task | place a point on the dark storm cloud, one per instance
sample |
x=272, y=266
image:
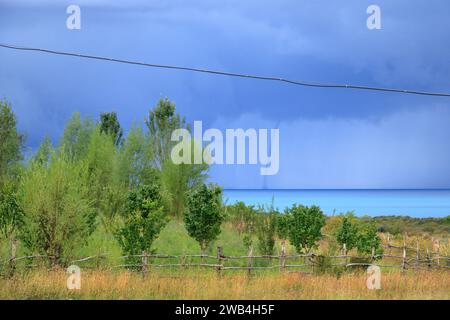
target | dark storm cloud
x=320, y=41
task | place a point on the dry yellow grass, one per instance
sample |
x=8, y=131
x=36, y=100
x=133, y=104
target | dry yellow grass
x=209, y=285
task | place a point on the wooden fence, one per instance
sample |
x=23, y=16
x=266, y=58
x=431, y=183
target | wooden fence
x=402, y=257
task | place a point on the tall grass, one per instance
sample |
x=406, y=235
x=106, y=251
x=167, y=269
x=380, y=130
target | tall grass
x=196, y=284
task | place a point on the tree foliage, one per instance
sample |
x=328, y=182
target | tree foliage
x=358, y=234
x=106, y=191
x=161, y=122
x=204, y=216
x=76, y=137
x=135, y=159
x=244, y=219
x=143, y=220
x=368, y=239
x=11, y=213
x=266, y=231
x=11, y=141
x=304, y=226
x=58, y=217
x=178, y=179
x=109, y=125
x=347, y=233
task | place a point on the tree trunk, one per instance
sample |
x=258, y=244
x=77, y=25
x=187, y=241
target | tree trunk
x=202, y=252
x=12, y=254
x=283, y=255
x=250, y=260
x=144, y=262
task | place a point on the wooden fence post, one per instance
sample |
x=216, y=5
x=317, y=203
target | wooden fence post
x=144, y=262
x=283, y=255
x=438, y=246
x=183, y=262
x=373, y=255
x=250, y=260
x=429, y=258
x=389, y=243
x=13, y=256
x=417, y=254
x=344, y=251
x=404, y=256
x=219, y=258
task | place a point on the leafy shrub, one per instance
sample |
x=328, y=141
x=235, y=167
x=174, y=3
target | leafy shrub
x=204, y=215
x=143, y=220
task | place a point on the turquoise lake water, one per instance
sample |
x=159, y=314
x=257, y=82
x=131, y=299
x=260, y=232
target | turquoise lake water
x=414, y=203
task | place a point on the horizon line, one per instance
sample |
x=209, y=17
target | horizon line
x=338, y=189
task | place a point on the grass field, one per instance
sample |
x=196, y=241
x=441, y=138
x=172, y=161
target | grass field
x=174, y=240
x=193, y=284
x=176, y=283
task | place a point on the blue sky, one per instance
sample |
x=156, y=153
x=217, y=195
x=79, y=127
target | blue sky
x=328, y=138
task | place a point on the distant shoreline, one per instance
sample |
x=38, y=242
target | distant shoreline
x=416, y=203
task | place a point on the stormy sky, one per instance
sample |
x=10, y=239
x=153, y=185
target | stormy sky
x=328, y=138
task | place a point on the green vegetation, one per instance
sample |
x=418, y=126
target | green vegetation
x=413, y=226
x=244, y=219
x=203, y=215
x=101, y=191
x=109, y=125
x=304, y=226
x=143, y=220
x=357, y=233
x=267, y=226
x=58, y=213
x=11, y=143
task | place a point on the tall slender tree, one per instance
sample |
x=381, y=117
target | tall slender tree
x=106, y=191
x=109, y=125
x=77, y=134
x=11, y=141
x=135, y=159
x=161, y=122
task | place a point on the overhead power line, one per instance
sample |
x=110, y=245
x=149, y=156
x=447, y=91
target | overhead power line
x=230, y=74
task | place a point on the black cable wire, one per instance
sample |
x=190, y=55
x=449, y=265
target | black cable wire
x=231, y=74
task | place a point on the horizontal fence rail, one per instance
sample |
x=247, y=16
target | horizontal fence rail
x=421, y=260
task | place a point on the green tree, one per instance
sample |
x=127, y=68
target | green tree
x=11, y=142
x=106, y=192
x=204, y=215
x=161, y=122
x=266, y=231
x=241, y=216
x=109, y=125
x=347, y=233
x=143, y=220
x=11, y=217
x=368, y=239
x=58, y=216
x=76, y=137
x=135, y=159
x=244, y=219
x=44, y=153
x=177, y=180
x=282, y=226
x=305, y=225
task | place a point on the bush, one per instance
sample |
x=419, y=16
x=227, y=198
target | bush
x=58, y=217
x=304, y=226
x=143, y=220
x=266, y=233
x=203, y=215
